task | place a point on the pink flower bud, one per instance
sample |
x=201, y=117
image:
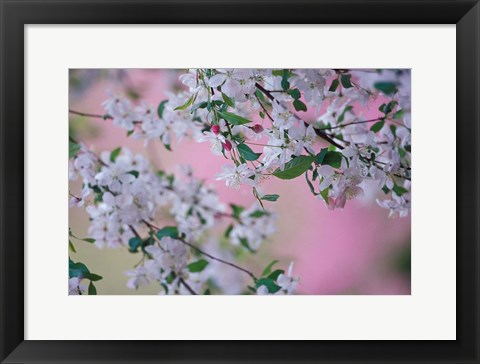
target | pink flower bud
x=257, y=128
x=227, y=145
x=215, y=129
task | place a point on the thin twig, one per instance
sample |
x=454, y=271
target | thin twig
x=106, y=116
x=182, y=281
x=205, y=253
x=351, y=123
x=134, y=231
x=317, y=131
x=264, y=109
x=265, y=145
x=217, y=259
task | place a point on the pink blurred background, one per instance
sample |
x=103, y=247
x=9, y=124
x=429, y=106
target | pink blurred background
x=358, y=250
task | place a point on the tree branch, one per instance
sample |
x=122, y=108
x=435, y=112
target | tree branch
x=352, y=123
x=104, y=117
x=205, y=253
x=182, y=281
x=319, y=132
x=264, y=109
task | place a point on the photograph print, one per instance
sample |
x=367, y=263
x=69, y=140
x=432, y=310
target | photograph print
x=239, y=181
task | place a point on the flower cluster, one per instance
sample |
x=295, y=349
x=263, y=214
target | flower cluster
x=254, y=226
x=124, y=197
x=150, y=122
x=289, y=122
x=168, y=265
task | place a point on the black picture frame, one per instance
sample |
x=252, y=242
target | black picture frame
x=15, y=14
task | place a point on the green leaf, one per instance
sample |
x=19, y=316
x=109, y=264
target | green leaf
x=73, y=149
x=89, y=240
x=312, y=189
x=274, y=275
x=93, y=277
x=134, y=243
x=387, y=88
x=201, y=105
x=160, y=108
x=237, y=210
x=391, y=105
x=170, y=231
x=334, y=85
x=115, y=153
x=393, y=128
x=71, y=247
x=92, y=291
x=233, y=119
x=77, y=269
x=207, y=292
x=399, y=114
x=299, y=106
x=148, y=241
x=133, y=94
x=387, y=108
x=258, y=213
x=244, y=243
x=260, y=95
x=399, y=190
x=295, y=167
x=270, y=284
x=268, y=268
x=197, y=266
x=342, y=115
x=170, y=277
x=345, y=79
x=285, y=84
x=333, y=159
x=134, y=173
x=324, y=194
x=228, y=231
x=247, y=153
x=228, y=100
x=185, y=105
x=238, y=138
x=321, y=155
x=271, y=198
x=295, y=93
x=377, y=126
